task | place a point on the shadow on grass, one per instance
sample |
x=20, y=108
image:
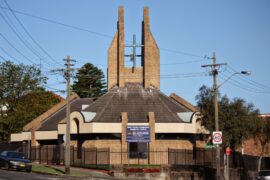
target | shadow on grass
x=56, y=169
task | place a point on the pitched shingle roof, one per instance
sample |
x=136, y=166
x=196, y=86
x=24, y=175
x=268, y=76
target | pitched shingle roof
x=137, y=102
x=52, y=121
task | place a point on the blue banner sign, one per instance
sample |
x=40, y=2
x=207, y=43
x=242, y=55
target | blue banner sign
x=138, y=134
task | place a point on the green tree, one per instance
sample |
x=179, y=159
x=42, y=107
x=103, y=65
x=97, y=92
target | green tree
x=28, y=108
x=89, y=82
x=261, y=131
x=235, y=116
x=18, y=80
x=22, y=92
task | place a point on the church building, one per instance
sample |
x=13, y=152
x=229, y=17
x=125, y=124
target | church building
x=134, y=116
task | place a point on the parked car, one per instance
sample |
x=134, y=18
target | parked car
x=264, y=175
x=15, y=160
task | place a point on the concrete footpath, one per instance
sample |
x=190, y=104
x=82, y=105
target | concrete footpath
x=89, y=174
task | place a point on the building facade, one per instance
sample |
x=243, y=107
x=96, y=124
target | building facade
x=134, y=116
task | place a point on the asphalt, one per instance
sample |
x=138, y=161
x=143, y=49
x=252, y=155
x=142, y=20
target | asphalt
x=15, y=175
x=92, y=175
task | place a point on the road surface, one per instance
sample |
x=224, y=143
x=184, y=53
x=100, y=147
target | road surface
x=18, y=175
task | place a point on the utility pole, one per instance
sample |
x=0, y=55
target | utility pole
x=67, y=153
x=215, y=88
x=67, y=71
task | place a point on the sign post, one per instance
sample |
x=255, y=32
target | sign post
x=228, y=152
x=217, y=140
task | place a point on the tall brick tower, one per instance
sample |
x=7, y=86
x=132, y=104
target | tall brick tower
x=148, y=75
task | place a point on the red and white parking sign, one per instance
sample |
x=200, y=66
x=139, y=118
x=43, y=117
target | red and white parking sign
x=217, y=137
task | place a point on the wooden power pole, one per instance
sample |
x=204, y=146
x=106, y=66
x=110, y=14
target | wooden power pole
x=214, y=72
x=67, y=71
x=67, y=152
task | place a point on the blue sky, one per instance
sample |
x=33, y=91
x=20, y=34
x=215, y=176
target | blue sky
x=185, y=31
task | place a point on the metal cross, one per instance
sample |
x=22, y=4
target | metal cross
x=133, y=55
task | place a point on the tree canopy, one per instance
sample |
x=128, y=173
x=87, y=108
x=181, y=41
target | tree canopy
x=261, y=133
x=89, y=82
x=236, y=117
x=18, y=80
x=22, y=92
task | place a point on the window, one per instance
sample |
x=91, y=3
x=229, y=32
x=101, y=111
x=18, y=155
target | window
x=138, y=150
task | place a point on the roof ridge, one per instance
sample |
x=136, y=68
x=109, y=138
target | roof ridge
x=36, y=123
x=184, y=102
x=99, y=99
x=174, y=115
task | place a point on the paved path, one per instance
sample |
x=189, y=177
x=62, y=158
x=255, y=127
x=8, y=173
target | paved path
x=17, y=175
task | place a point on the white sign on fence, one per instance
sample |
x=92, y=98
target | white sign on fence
x=217, y=137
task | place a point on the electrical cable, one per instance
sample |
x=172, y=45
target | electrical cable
x=10, y=55
x=245, y=82
x=31, y=37
x=19, y=35
x=95, y=33
x=16, y=49
x=242, y=85
x=250, y=81
x=186, y=62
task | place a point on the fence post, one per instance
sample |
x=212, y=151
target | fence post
x=121, y=154
x=175, y=156
x=169, y=156
x=59, y=154
x=39, y=154
x=83, y=149
x=63, y=154
x=213, y=164
x=109, y=158
x=185, y=152
x=96, y=157
x=73, y=158
x=47, y=154
x=148, y=154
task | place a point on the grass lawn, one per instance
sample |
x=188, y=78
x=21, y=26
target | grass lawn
x=57, y=170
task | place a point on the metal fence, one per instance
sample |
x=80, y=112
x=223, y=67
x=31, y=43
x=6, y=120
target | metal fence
x=102, y=157
x=105, y=157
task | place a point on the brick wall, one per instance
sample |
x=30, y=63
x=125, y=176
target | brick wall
x=254, y=148
x=148, y=74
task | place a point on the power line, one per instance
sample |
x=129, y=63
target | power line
x=93, y=32
x=186, y=62
x=16, y=48
x=55, y=89
x=162, y=64
x=184, y=74
x=2, y=58
x=164, y=76
x=19, y=35
x=183, y=53
x=31, y=37
x=250, y=84
x=13, y=58
x=243, y=86
x=250, y=81
x=54, y=84
x=59, y=23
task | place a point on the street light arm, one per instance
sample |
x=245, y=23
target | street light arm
x=242, y=72
x=227, y=79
